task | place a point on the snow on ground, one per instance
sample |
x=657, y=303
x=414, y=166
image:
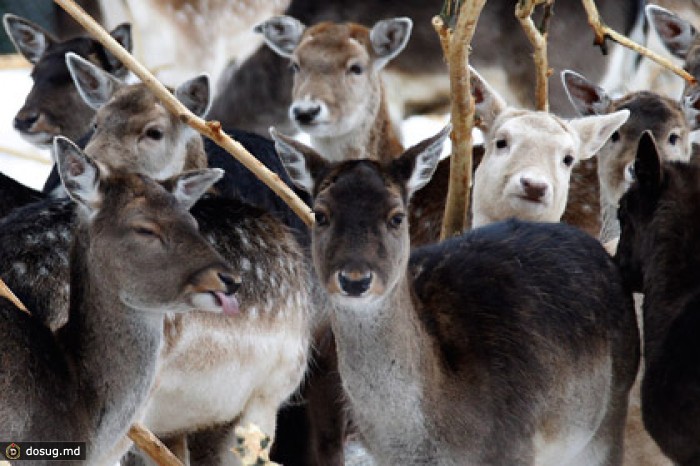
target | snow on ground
x=14, y=87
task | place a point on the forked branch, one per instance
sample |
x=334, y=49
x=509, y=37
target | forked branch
x=538, y=39
x=603, y=32
x=456, y=45
x=210, y=129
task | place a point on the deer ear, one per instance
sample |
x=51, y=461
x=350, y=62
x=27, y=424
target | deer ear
x=388, y=38
x=691, y=108
x=647, y=165
x=79, y=174
x=29, y=39
x=195, y=94
x=417, y=164
x=594, y=131
x=303, y=164
x=190, y=186
x=675, y=33
x=121, y=34
x=95, y=85
x=489, y=104
x=586, y=97
x=281, y=33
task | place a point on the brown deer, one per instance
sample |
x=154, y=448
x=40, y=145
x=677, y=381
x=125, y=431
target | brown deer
x=599, y=184
x=658, y=256
x=338, y=95
x=490, y=348
x=53, y=106
x=136, y=256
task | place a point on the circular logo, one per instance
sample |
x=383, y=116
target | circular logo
x=12, y=452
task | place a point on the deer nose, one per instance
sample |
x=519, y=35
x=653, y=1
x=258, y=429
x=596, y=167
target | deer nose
x=232, y=284
x=354, y=283
x=533, y=190
x=25, y=120
x=305, y=114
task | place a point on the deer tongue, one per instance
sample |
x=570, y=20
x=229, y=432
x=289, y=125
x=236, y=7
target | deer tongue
x=228, y=302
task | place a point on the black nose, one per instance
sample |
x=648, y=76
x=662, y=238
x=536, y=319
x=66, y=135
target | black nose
x=25, y=121
x=354, y=283
x=232, y=284
x=306, y=115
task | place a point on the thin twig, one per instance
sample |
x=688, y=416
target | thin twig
x=20, y=154
x=603, y=32
x=149, y=443
x=538, y=39
x=458, y=198
x=6, y=292
x=211, y=129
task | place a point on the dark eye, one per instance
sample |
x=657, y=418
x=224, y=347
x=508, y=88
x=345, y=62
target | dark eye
x=321, y=218
x=568, y=160
x=356, y=69
x=615, y=136
x=154, y=133
x=673, y=139
x=147, y=232
x=501, y=144
x=396, y=220
x=294, y=67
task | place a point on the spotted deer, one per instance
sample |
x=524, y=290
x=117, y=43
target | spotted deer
x=53, y=106
x=489, y=348
x=599, y=185
x=136, y=257
x=657, y=255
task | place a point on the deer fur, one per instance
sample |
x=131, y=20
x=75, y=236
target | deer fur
x=53, y=106
x=612, y=171
x=445, y=352
x=657, y=254
x=338, y=95
x=58, y=386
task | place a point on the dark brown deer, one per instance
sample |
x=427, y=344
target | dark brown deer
x=136, y=256
x=658, y=256
x=599, y=183
x=53, y=106
x=490, y=348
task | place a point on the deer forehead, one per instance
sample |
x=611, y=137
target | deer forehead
x=331, y=49
x=359, y=186
x=129, y=111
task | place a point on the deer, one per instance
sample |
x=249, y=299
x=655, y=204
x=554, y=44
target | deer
x=53, y=106
x=657, y=256
x=447, y=351
x=57, y=386
x=611, y=172
x=15, y=194
x=255, y=93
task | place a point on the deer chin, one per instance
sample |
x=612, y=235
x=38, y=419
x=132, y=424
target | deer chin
x=41, y=139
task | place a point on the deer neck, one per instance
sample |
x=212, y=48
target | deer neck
x=112, y=349
x=374, y=137
x=385, y=359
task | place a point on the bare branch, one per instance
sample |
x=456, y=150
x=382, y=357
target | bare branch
x=149, y=443
x=603, y=32
x=538, y=39
x=457, y=203
x=211, y=129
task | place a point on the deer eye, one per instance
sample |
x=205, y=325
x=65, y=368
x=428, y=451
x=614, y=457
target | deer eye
x=356, y=69
x=568, y=160
x=396, y=219
x=154, y=133
x=673, y=139
x=501, y=144
x=321, y=218
x=615, y=136
x=146, y=231
x=294, y=67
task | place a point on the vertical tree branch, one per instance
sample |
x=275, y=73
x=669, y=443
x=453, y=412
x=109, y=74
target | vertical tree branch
x=457, y=203
x=211, y=129
x=603, y=32
x=538, y=39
